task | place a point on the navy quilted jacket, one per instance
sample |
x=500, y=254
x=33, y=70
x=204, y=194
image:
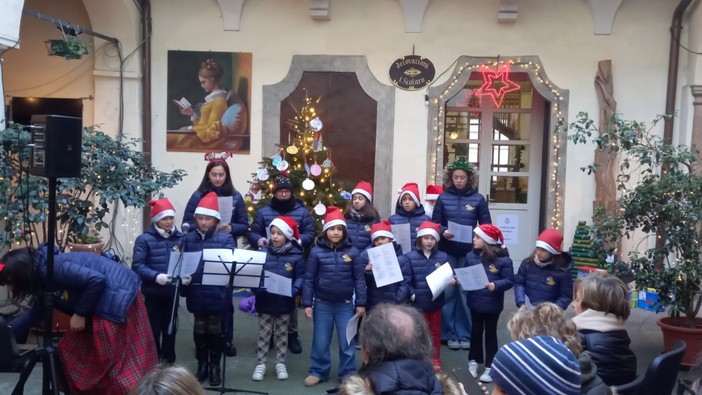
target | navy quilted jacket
x=239, y=222
x=266, y=214
x=499, y=271
x=414, y=218
x=206, y=299
x=421, y=267
x=391, y=293
x=547, y=284
x=359, y=232
x=464, y=207
x=88, y=284
x=151, y=255
x=333, y=274
x=290, y=264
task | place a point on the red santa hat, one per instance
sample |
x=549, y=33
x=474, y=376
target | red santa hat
x=333, y=217
x=550, y=240
x=429, y=228
x=365, y=189
x=490, y=233
x=382, y=229
x=433, y=192
x=209, y=205
x=160, y=209
x=288, y=226
x=2, y=267
x=412, y=189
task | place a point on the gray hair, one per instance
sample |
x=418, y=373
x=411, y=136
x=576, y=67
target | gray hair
x=392, y=332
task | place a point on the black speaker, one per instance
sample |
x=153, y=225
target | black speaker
x=56, y=146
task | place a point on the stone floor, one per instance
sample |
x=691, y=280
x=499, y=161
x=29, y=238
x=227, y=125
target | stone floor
x=646, y=337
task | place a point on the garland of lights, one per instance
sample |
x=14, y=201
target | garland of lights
x=494, y=70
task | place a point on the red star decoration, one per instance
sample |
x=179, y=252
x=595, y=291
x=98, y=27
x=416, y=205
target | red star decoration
x=499, y=78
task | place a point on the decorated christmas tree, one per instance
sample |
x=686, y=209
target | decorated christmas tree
x=307, y=162
x=582, y=250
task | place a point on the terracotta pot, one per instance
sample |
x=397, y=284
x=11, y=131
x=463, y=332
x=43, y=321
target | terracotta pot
x=674, y=329
x=94, y=248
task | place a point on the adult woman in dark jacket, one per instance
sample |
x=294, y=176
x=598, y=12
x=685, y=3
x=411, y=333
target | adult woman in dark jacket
x=110, y=345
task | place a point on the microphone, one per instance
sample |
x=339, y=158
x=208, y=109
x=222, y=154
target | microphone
x=185, y=227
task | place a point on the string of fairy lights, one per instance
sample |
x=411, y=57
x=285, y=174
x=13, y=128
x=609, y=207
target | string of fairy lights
x=538, y=77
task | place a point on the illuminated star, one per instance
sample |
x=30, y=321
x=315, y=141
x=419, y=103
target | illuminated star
x=496, y=84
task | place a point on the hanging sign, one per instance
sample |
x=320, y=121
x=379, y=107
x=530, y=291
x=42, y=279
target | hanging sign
x=412, y=72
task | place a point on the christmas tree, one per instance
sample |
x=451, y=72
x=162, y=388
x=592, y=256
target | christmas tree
x=307, y=162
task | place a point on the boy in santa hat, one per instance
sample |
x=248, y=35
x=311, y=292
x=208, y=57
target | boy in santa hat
x=333, y=275
x=433, y=192
x=208, y=303
x=409, y=210
x=360, y=215
x=152, y=252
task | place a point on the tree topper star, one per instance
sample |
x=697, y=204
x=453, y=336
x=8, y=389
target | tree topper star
x=499, y=78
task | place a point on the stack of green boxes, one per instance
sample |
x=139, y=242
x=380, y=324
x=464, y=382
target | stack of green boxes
x=581, y=250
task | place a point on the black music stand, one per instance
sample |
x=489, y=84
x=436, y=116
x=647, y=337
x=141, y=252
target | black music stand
x=54, y=380
x=232, y=270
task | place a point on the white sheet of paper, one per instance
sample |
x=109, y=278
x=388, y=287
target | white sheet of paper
x=403, y=237
x=439, y=279
x=386, y=268
x=509, y=225
x=277, y=284
x=226, y=208
x=217, y=255
x=461, y=233
x=242, y=255
x=352, y=328
x=472, y=277
x=188, y=265
x=183, y=102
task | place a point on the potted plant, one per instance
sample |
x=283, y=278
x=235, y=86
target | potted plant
x=660, y=194
x=112, y=172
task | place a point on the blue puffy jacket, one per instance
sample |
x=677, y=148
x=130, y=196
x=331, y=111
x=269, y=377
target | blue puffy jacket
x=547, y=284
x=421, y=267
x=414, y=218
x=87, y=284
x=265, y=215
x=499, y=271
x=288, y=263
x=152, y=253
x=392, y=293
x=464, y=207
x=239, y=221
x=206, y=299
x=333, y=274
x=359, y=232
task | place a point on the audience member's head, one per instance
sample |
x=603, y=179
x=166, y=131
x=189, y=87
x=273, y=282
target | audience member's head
x=392, y=332
x=168, y=380
x=535, y=366
x=603, y=292
x=546, y=319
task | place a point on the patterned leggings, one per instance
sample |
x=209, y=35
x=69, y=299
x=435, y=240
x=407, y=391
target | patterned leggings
x=278, y=326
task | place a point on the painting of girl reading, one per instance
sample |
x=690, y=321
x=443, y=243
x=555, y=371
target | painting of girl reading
x=208, y=98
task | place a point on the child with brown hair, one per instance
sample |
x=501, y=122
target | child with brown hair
x=602, y=307
x=360, y=215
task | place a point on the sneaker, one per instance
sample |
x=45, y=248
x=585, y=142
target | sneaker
x=453, y=344
x=294, y=343
x=259, y=372
x=311, y=381
x=473, y=369
x=464, y=344
x=485, y=378
x=281, y=371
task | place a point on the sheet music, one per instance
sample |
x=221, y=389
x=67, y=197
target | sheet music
x=472, y=277
x=352, y=328
x=242, y=255
x=226, y=208
x=461, y=233
x=386, y=268
x=217, y=255
x=277, y=284
x=403, y=237
x=188, y=265
x=438, y=279
x=245, y=275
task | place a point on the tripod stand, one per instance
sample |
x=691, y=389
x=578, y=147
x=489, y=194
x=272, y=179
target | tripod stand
x=232, y=272
x=54, y=379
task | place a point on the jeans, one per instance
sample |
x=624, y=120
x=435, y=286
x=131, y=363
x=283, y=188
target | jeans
x=455, y=316
x=326, y=316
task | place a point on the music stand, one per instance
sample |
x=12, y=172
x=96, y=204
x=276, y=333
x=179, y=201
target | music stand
x=54, y=381
x=249, y=274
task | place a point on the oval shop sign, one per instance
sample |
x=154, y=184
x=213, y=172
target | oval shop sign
x=412, y=72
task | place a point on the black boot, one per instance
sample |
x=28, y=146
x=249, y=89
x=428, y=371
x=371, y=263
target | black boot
x=202, y=355
x=216, y=348
x=294, y=343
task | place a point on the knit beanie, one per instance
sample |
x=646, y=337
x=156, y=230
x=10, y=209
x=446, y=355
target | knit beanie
x=209, y=205
x=160, y=209
x=550, y=240
x=365, y=189
x=282, y=183
x=536, y=366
